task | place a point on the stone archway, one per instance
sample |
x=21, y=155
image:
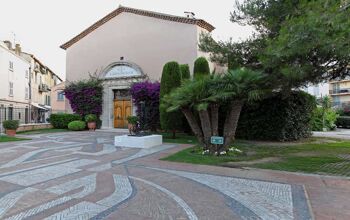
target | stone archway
x=117, y=104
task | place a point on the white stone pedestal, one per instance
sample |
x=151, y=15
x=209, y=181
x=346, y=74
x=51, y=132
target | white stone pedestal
x=138, y=142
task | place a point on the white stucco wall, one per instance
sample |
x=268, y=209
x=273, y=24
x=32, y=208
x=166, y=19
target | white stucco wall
x=319, y=90
x=17, y=76
x=145, y=41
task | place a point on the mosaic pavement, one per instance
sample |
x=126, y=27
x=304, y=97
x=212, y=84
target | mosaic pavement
x=83, y=176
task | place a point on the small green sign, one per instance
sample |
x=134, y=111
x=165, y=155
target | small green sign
x=217, y=140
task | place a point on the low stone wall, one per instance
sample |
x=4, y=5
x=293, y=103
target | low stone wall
x=30, y=127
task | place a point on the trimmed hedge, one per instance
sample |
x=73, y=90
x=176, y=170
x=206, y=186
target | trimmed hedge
x=171, y=79
x=185, y=71
x=77, y=125
x=61, y=121
x=278, y=118
x=343, y=122
x=201, y=67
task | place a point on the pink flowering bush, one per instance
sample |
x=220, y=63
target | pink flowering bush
x=85, y=97
x=147, y=93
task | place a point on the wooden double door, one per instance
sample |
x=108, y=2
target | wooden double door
x=122, y=109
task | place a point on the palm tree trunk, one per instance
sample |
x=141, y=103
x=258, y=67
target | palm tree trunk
x=206, y=127
x=193, y=124
x=214, y=108
x=231, y=121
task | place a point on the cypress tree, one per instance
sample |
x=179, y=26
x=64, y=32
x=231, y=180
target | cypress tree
x=185, y=71
x=201, y=67
x=171, y=79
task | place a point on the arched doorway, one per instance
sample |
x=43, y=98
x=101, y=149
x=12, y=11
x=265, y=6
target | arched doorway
x=118, y=78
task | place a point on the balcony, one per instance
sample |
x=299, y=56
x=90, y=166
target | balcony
x=44, y=88
x=341, y=91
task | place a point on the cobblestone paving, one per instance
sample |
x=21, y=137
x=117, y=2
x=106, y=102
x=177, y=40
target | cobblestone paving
x=83, y=176
x=340, y=168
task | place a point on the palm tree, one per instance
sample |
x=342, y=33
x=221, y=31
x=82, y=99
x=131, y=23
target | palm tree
x=206, y=96
x=236, y=88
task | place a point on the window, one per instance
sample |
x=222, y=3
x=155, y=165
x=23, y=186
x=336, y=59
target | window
x=10, y=65
x=122, y=70
x=60, y=96
x=10, y=113
x=36, y=77
x=27, y=93
x=10, y=88
x=47, y=100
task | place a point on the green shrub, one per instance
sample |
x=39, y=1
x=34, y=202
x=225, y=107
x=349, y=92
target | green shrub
x=77, y=126
x=90, y=118
x=343, y=122
x=278, y=118
x=185, y=71
x=133, y=120
x=10, y=124
x=330, y=117
x=201, y=67
x=171, y=79
x=61, y=121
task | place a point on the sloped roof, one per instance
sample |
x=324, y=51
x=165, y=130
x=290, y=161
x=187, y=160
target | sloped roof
x=121, y=9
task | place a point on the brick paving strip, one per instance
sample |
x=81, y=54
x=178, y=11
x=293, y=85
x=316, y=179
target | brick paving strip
x=83, y=176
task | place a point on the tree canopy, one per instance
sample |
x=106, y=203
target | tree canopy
x=297, y=42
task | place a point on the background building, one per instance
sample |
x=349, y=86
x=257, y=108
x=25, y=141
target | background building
x=42, y=79
x=130, y=45
x=319, y=90
x=14, y=84
x=25, y=86
x=58, y=99
x=340, y=93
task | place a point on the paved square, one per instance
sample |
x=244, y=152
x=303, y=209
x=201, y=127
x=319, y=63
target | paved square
x=85, y=177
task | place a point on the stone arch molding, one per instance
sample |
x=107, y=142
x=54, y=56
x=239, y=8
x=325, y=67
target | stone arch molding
x=122, y=70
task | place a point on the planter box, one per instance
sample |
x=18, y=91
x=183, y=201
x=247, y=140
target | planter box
x=138, y=142
x=30, y=127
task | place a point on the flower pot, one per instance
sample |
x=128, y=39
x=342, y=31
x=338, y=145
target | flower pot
x=92, y=126
x=11, y=133
x=131, y=128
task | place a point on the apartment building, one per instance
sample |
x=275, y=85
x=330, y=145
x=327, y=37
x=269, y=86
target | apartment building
x=340, y=93
x=14, y=84
x=42, y=79
x=28, y=83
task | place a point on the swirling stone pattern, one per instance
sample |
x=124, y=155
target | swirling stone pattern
x=85, y=177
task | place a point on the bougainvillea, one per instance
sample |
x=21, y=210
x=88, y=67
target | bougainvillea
x=85, y=97
x=147, y=93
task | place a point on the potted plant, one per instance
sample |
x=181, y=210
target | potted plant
x=91, y=120
x=11, y=126
x=132, y=124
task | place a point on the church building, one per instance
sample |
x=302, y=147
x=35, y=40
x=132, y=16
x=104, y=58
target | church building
x=131, y=45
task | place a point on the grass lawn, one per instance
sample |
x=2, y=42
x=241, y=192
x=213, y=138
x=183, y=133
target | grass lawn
x=10, y=139
x=43, y=131
x=315, y=155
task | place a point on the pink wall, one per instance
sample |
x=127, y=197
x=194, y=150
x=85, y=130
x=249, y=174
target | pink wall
x=57, y=105
x=145, y=41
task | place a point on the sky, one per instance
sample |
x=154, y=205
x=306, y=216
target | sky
x=41, y=26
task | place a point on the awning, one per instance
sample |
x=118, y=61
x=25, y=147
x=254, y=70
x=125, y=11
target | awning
x=47, y=107
x=36, y=105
